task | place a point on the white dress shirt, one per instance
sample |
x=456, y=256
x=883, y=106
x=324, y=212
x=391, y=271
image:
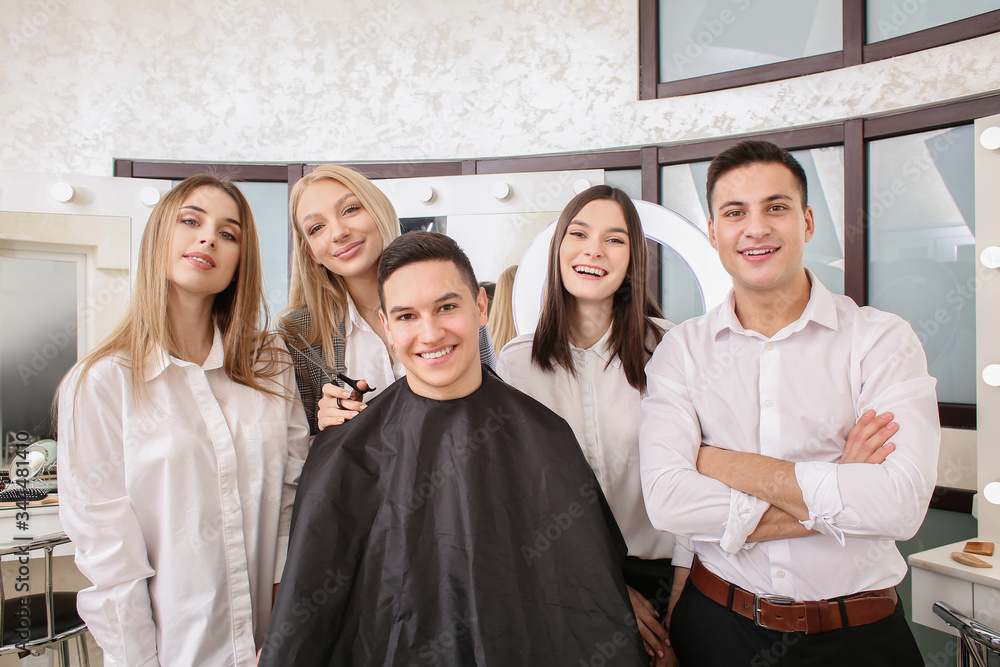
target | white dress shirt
x=602, y=408
x=179, y=507
x=366, y=356
x=794, y=397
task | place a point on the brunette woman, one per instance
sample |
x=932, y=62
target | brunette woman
x=585, y=361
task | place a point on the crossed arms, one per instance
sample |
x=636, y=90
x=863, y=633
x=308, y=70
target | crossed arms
x=773, y=480
x=860, y=486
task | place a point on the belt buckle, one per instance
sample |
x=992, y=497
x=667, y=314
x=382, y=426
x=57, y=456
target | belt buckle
x=773, y=599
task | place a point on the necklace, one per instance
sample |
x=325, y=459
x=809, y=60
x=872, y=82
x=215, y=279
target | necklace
x=374, y=310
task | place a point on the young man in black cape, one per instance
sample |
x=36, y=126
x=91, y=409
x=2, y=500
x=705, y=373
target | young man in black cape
x=455, y=521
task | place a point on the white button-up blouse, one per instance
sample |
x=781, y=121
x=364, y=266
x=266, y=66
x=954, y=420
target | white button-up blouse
x=179, y=506
x=602, y=408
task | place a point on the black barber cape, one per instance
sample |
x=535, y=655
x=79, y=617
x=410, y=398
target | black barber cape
x=463, y=532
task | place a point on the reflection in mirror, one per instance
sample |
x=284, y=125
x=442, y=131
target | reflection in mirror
x=38, y=343
x=64, y=284
x=495, y=241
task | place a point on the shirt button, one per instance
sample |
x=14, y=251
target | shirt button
x=768, y=403
x=780, y=574
x=769, y=346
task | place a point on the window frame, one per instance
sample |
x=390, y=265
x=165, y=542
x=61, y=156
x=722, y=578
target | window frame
x=854, y=52
x=853, y=134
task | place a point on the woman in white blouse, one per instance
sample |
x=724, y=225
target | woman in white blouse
x=180, y=445
x=341, y=222
x=585, y=361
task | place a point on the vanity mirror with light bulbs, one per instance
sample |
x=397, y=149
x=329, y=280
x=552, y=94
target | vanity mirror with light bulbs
x=937, y=576
x=67, y=245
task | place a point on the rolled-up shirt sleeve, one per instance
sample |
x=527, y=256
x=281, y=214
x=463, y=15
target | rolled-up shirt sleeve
x=887, y=500
x=97, y=516
x=678, y=498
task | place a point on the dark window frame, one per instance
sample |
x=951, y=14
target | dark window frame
x=853, y=134
x=854, y=52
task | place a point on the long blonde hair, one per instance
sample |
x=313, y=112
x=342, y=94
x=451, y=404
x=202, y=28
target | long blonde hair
x=239, y=311
x=501, y=321
x=323, y=292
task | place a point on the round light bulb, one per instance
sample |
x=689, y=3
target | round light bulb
x=149, y=196
x=990, y=257
x=992, y=492
x=426, y=194
x=502, y=191
x=991, y=375
x=63, y=192
x=990, y=138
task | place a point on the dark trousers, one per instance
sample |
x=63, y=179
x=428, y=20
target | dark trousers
x=706, y=634
x=651, y=578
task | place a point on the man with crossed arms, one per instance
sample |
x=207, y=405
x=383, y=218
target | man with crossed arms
x=759, y=443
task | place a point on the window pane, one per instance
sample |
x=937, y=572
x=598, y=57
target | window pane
x=700, y=37
x=892, y=18
x=922, y=247
x=269, y=203
x=683, y=190
x=628, y=181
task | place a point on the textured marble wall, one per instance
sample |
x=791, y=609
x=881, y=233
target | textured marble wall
x=266, y=80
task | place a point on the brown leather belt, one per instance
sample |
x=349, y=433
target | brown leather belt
x=776, y=612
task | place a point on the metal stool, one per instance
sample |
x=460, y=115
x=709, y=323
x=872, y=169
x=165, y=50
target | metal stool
x=976, y=641
x=31, y=623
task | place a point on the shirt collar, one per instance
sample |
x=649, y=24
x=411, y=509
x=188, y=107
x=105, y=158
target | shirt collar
x=354, y=318
x=602, y=348
x=159, y=360
x=352, y=315
x=821, y=309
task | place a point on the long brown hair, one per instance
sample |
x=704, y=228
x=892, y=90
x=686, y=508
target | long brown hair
x=239, y=311
x=633, y=334
x=313, y=285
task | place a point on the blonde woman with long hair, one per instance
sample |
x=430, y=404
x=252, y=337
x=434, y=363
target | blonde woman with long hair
x=180, y=445
x=501, y=321
x=341, y=222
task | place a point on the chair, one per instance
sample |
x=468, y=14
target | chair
x=976, y=641
x=33, y=622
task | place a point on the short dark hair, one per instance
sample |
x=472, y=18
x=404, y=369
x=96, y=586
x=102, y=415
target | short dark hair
x=753, y=152
x=419, y=246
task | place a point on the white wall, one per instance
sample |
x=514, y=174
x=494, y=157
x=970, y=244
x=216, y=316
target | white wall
x=259, y=80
